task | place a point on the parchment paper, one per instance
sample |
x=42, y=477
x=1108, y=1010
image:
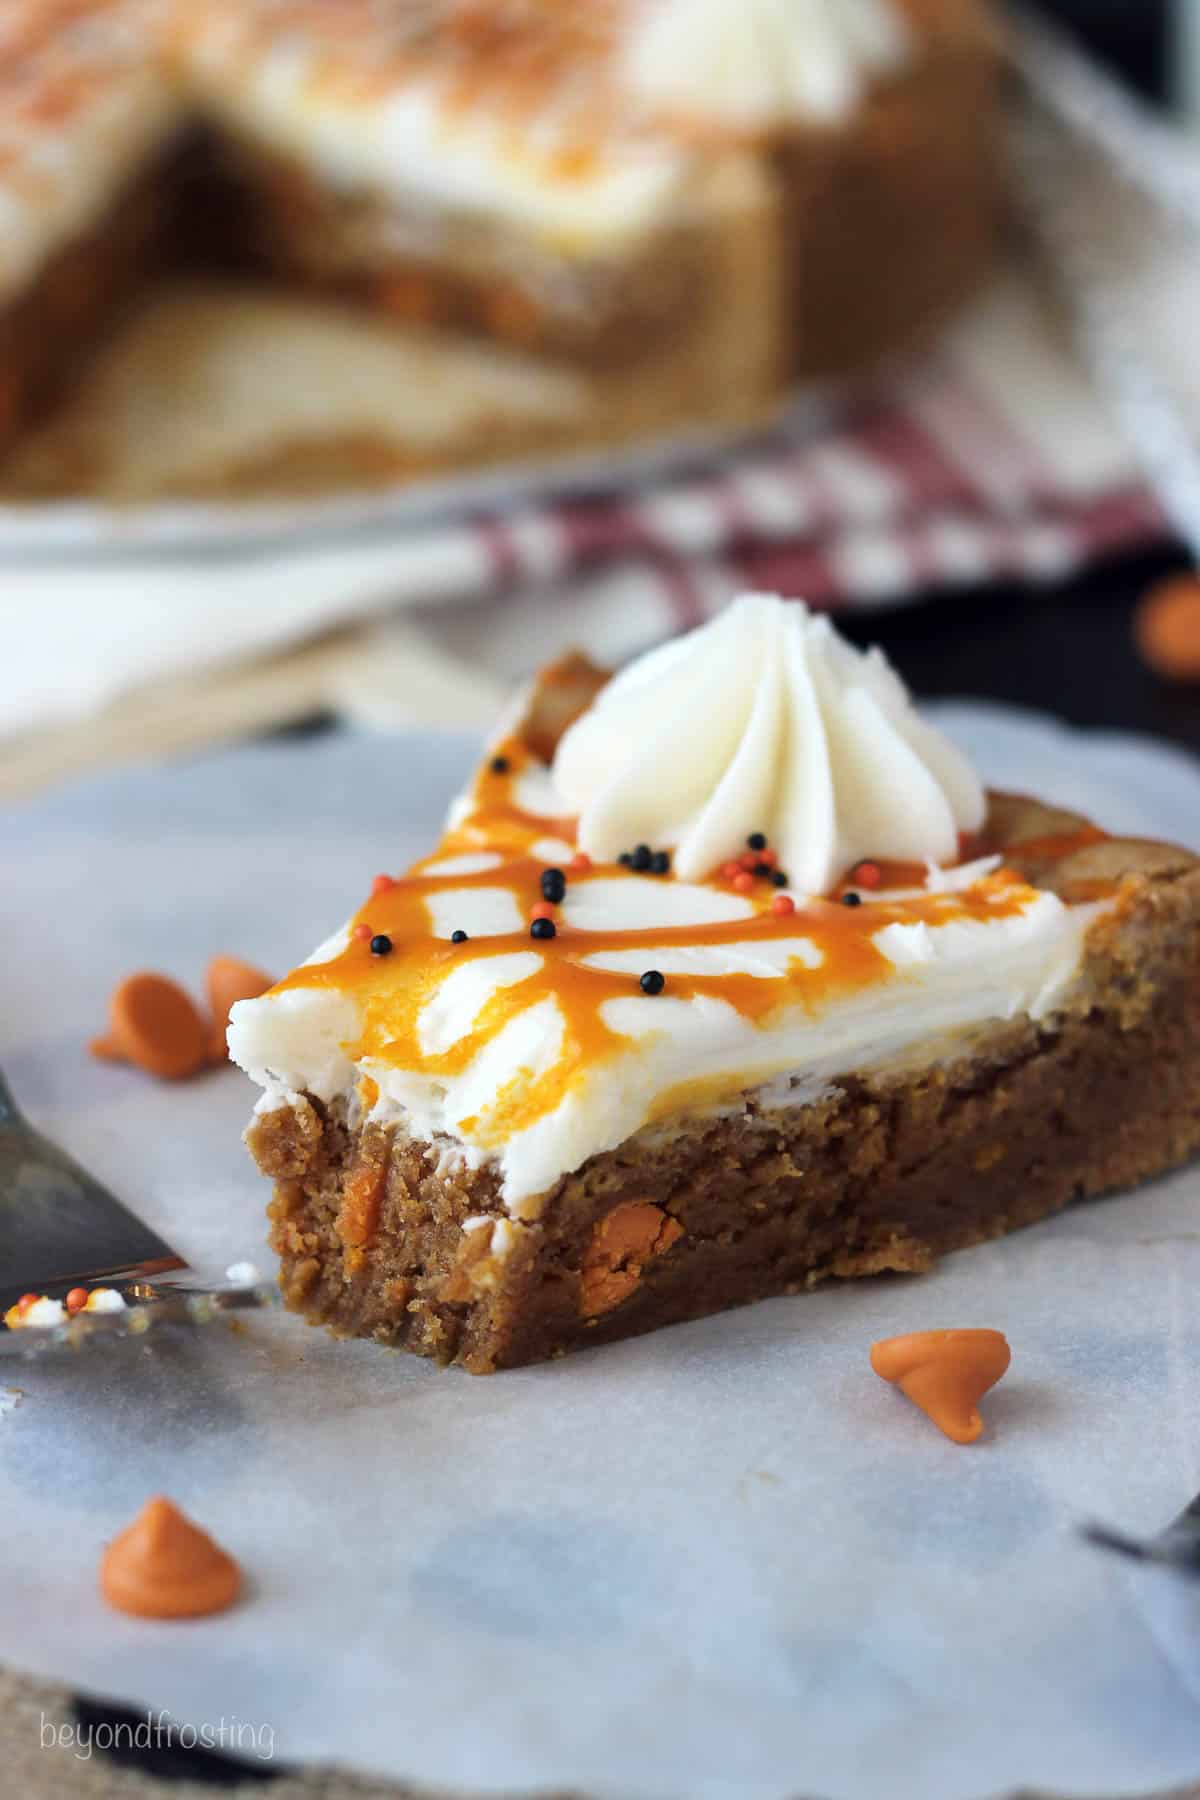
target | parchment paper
x=722, y=1561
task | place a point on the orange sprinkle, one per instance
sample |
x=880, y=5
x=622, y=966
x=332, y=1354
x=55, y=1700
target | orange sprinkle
x=580, y=863
x=743, y=882
x=867, y=875
x=382, y=883
x=731, y=870
x=364, y=933
x=26, y=1301
x=782, y=905
x=164, y=1567
x=227, y=980
x=749, y=859
x=1166, y=628
x=153, y=1024
x=76, y=1300
x=543, y=910
x=946, y=1374
x=769, y=856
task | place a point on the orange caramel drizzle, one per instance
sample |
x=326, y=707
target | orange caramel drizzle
x=1061, y=844
x=393, y=990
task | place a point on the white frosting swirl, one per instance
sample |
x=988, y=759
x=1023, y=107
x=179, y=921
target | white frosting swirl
x=765, y=720
x=752, y=64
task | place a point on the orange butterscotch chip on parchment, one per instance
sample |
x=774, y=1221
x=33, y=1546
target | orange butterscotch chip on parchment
x=164, y=1567
x=623, y=1242
x=153, y=1023
x=946, y=1374
x=1166, y=628
x=358, y=1214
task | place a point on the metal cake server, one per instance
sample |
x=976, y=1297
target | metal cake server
x=1178, y=1547
x=61, y=1228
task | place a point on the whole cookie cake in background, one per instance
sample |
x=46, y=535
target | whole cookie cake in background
x=246, y=242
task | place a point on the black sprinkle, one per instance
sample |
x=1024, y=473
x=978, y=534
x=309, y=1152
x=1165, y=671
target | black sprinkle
x=554, y=885
x=458, y=937
x=653, y=982
x=852, y=899
x=543, y=928
x=500, y=765
x=660, y=863
x=642, y=856
x=762, y=868
x=778, y=878
x=381, y=945
x=626, y=859
x=757, y=840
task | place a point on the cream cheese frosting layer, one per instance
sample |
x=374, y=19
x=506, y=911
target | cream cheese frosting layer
x=563, y=120
x=445, y=106
x=405, y=144
x=939, y=974
x=758, y=64
x=83, y=103
x=943, y=982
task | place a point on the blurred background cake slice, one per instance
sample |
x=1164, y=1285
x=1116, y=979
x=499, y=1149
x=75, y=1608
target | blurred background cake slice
x=88, y=124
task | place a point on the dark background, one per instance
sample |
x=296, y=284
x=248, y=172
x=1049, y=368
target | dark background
x=1133, y=35
x=1067, y=649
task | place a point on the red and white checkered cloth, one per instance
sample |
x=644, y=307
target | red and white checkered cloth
x=925, y=485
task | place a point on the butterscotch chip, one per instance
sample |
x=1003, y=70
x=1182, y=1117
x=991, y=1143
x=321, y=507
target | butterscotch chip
x=358, y=1214
x=153, y=1024
x=164, y=1567
x=1166, y=628
x=946, y=1374
x=623, y=1242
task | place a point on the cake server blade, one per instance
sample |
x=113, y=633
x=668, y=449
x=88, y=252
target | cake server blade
x=61, y=1228
x=1178, y=1547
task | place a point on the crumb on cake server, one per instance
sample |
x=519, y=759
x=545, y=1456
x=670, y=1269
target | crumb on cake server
x=603, y=180
x=726, y=977
x=87, y=125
